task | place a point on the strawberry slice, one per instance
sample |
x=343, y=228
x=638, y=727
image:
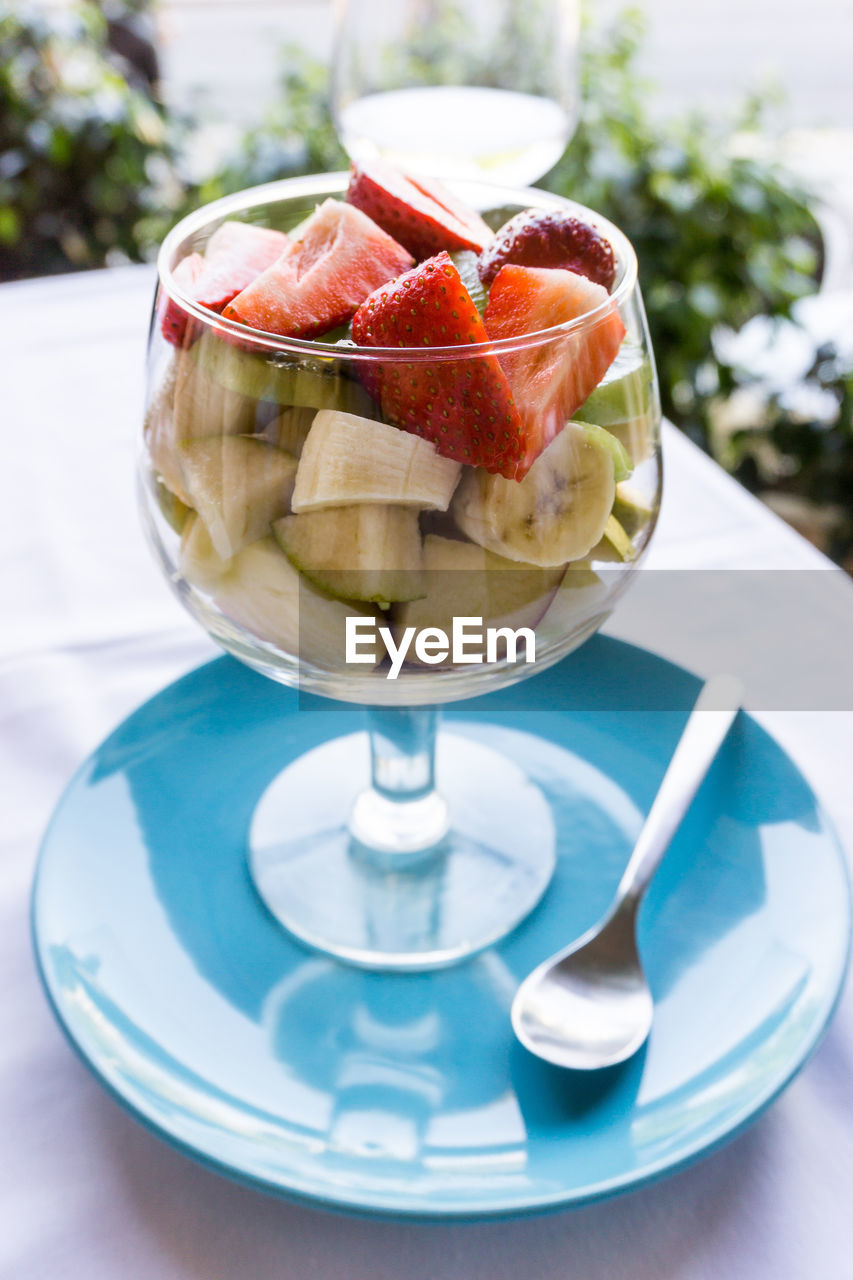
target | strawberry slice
x=323, y=277
x=236, y=253
x=463, y=406
x=551, y=380
x=550, y=238
x=173, y=317
x=418, y=212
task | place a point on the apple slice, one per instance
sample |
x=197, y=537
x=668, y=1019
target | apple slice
x=322, y=278
x=420, y=213
x=550, y=380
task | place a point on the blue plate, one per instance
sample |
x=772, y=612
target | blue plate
x=407, y=1095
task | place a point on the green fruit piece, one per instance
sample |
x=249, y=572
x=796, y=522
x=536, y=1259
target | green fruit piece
x=615, y=544
x=625, y=403
x=465, y=580
x=365, y=552
x=264, y=593
x=631, y=509
x=556, y=514
x=198, y=561
x=238, y=486
x=622, y=464
x=304, y=382
x=465, y=263
x=173, y=511
x=335, y=337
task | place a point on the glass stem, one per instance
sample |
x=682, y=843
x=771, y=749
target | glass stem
x=401, y=812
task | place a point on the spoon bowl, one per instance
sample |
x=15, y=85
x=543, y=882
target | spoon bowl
x=590, y=1005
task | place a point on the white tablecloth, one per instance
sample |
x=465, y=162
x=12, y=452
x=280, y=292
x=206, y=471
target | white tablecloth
x=88, y=631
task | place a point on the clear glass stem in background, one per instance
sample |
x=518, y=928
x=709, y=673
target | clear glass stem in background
x=401, y=812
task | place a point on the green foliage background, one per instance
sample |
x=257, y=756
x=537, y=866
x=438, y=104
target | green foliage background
x=91, y=172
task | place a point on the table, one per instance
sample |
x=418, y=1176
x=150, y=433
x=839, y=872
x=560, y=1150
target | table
x=88, y=632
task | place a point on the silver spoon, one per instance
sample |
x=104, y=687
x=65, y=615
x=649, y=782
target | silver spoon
x=589, y=1006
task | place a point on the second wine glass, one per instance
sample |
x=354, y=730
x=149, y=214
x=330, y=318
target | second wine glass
x=457, y=88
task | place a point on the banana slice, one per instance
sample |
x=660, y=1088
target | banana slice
x=265, y=594
x=160, y=437
x=557, y=513
x=362, y=552
x=347, y=459
x=289, y=430
x=190, y=405
x=238, y=485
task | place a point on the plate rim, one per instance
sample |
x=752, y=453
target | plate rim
x=377, y=1206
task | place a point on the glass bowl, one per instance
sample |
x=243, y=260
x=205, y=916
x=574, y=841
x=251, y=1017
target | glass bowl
x=417, y=543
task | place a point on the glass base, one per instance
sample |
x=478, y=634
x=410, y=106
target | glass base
x=401, y=910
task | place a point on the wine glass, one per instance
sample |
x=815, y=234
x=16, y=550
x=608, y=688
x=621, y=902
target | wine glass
x=354, y=848
x=457, y=88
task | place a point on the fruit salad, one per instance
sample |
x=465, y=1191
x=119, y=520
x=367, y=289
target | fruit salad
x=399, y=409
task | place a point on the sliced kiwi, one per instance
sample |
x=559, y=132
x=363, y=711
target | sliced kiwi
x=301, y=381
x=625, y=403
x=465, y=263
x=365, y=552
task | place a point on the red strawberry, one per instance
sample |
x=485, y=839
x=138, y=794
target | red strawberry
x=550, y=238
x=418, y=212
x=551, y=380
x=463, y=406
x=323, y=277
x=236, y=254
x=173, y=318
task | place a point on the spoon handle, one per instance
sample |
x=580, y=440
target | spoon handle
x=703, y=735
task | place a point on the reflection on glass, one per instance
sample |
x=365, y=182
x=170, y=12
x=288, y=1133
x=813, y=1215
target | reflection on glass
x=461, y=88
